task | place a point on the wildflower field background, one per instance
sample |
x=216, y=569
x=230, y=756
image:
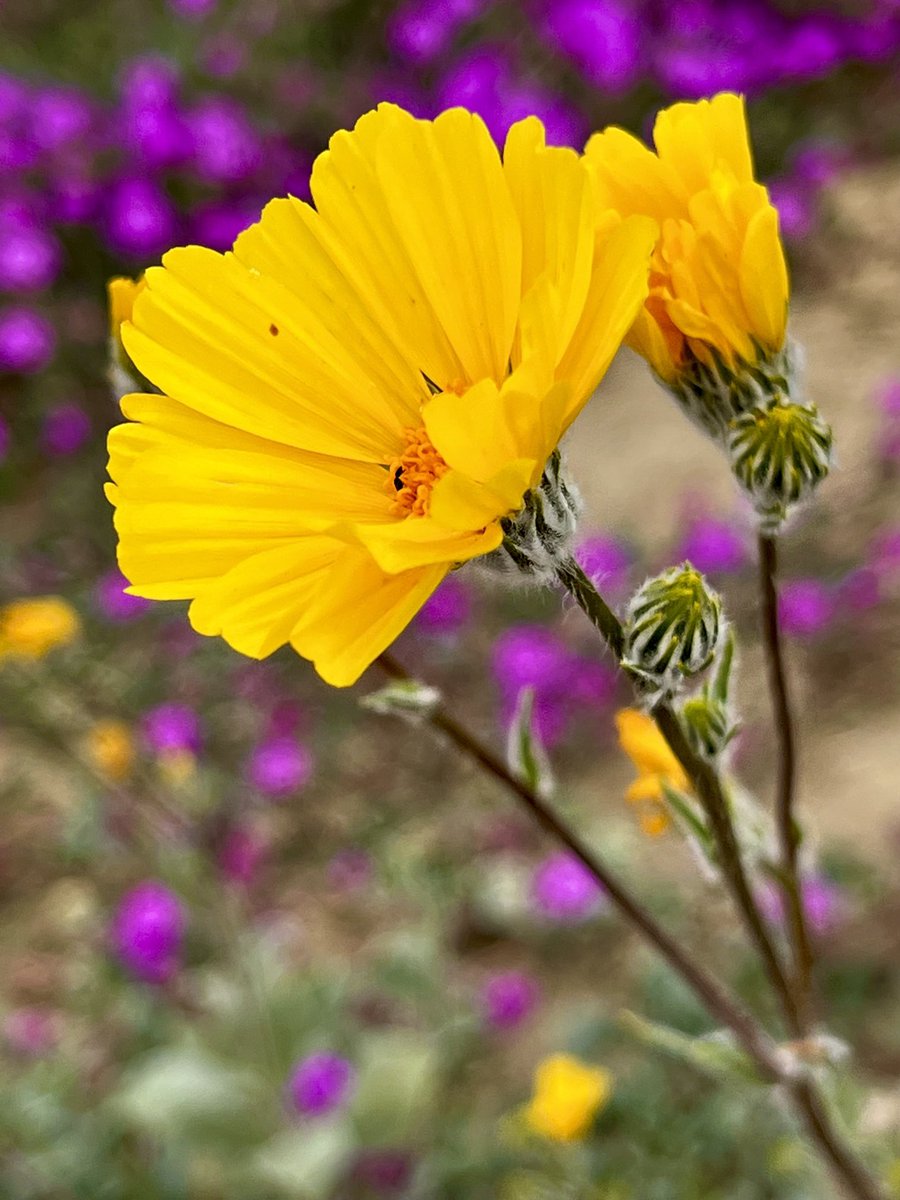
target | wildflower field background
x=259, y=941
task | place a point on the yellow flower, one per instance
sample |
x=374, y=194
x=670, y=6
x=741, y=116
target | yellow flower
x=122, y=293
x=719, y=283
x=360, y=392
x=31, y=628
x=656, y=765
x=110, y=748
x=567, y=1096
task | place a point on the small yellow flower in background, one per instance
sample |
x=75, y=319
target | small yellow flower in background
x=121, y=294
x=719, y=282
x=110, y=748
x=656, y=765
x=360, y=392
x=567, y=1096
x=32, y=628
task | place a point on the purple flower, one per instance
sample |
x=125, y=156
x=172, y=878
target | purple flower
x=386, y=1172
x=592, y=682
x=193, y=10
x=563, y=889
x=114, y=602
x=887, y=397
x=147, y=931
x=823, y=903
x=809, y=48
x=602, y=38
x=508, y=999
x=30, y=1032
x=218, y=225
x=172, y=729
x=350, y=870
x=241, y=855
x=59, y=117
x=279, y=766
x=713, y=547
x=226, y=147
x=796, y=211
x=447, y=609
x=563, y=123
x=140, y=221
x=30, y=257
x=150, y=82
x=606, y=562
x=859, y=591
x=884, y=554
x=27, y=340
x=805, y=607
x=474, y=82
x=65, y=430
x=321, y=1083
x=422, y=30
x=530, y=656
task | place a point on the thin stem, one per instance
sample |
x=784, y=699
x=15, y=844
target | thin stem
x=718, y=1002
x=788, y=830
x=708, y=789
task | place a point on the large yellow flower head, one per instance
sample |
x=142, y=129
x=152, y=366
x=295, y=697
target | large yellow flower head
x=719, y=284
x=360, y=393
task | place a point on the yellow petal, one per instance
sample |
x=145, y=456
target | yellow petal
x=470, y=431
x=460, y=502
x=422, y=541
x=618, y=289
x=764, y=279
x=255, y=605
x=353, y=206
x=551, y=191
x=358, y=612
x=444, y=188
x=232, y=346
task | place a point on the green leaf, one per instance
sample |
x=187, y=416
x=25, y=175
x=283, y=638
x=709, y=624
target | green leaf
x=714, y=1053
x=398, y=1081
x=403, y=698
x=185, y=1093
x=525, y=752
x=306, y=1162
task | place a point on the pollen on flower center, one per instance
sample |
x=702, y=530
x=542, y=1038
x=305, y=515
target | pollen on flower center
x=413, y=474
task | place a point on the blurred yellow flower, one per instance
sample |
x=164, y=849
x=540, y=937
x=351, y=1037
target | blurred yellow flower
x=360, y=392
x=110, y=748
x=567, y=1096
x=656, y=765
x=31, y=628
x=121, y=294
x=719, y=282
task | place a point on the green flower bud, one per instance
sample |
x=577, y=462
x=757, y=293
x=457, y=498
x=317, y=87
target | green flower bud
x=673, y=629
x=780, y=453
x=708, y=725
x=539, y=536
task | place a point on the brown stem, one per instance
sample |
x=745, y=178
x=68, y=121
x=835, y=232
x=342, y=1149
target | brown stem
x=720, y=1005
x=708, y=789
x=788, y=831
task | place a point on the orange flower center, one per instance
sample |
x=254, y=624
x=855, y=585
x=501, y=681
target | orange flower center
x=413, y=474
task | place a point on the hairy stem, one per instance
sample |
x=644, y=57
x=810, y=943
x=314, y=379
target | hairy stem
x=788, y=831
x=756, y=1043
x=708, y=789
x=714, y=997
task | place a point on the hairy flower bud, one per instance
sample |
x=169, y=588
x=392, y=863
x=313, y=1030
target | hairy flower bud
x=540, y=535
x=708, y=725
x=779, y=453
x=673, y=629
